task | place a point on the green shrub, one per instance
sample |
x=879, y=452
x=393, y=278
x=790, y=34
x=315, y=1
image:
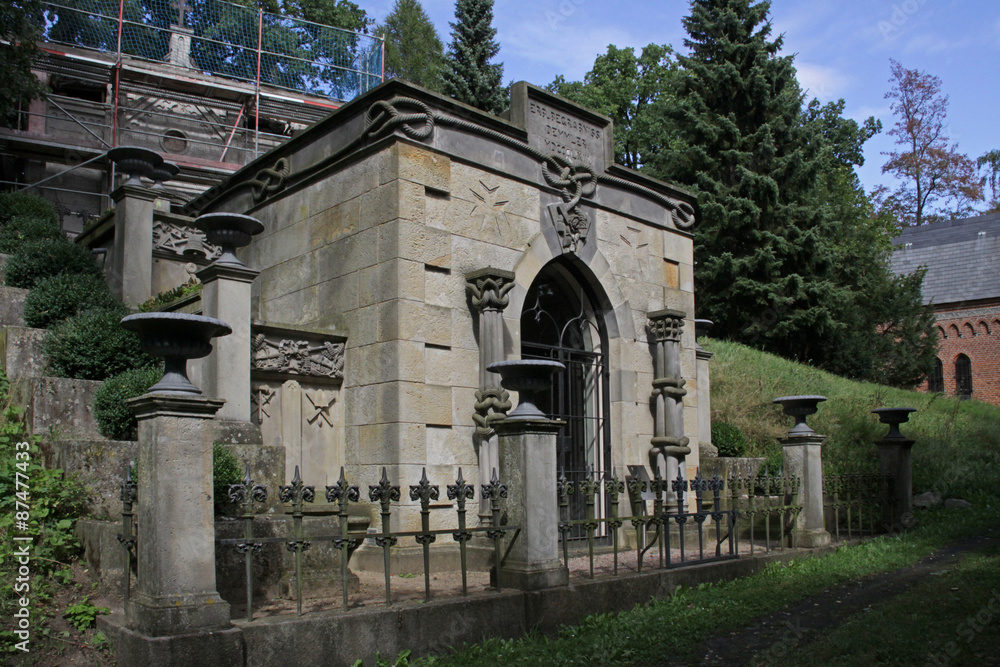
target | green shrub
x=728, y=439
x=21, y=230
x=36, y=260
x=92, y=346
x=21, y=205
x=57, y=298
x=154, y=303
x=115, y=418
x=225, y=471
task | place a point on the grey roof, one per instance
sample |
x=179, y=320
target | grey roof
x=962, y=258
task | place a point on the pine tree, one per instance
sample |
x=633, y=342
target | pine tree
x=469, y=76
x=763, y=248
x=413, y=50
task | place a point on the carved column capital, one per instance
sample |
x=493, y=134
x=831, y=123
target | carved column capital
x=667, y=324
x=489, y=288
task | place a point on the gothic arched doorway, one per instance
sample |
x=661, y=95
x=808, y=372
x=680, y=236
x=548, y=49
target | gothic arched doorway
x=563, y=320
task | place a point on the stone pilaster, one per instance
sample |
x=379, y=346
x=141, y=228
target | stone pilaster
x=702, y=357
x=802, y=458
x=131, y=276
x=176, y=589
x=669, y=444
x=488, y=289
x=226, y=371
x=528, y=467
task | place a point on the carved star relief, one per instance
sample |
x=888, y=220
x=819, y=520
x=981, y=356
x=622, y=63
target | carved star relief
x=491, y=206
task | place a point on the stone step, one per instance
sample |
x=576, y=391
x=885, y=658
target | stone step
x=21, y=352
x=12, y=306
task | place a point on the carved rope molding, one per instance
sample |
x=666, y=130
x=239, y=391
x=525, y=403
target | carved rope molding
x=417, y=120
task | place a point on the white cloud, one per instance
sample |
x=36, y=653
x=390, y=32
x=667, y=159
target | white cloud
x=821, y=81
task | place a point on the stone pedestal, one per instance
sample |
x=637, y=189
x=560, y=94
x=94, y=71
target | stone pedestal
x=894, y=462
x=131, y=276
x=176, y=590
x=803, y=459
x=528, y=467
x=226, y=371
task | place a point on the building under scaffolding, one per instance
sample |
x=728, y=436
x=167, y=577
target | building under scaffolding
x=209, y=86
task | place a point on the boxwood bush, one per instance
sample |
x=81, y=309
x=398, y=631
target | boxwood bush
x=92, y=346
x=57, y=298
x=115, y=418
x=729, y=440
x=20, y=230
x=36, y=260
x=19, y=204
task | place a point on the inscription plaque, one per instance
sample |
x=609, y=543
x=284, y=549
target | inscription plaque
x=555, y=125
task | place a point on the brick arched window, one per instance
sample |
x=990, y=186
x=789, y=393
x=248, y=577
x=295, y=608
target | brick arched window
x=963, y=376
x=935, y=381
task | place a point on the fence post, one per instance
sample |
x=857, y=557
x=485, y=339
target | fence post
x=802, y=458
x=894, y=459
x=527, y=448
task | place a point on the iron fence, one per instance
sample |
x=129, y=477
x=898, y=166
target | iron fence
x=668, y=521
x=249, y=495
x=766, y=506
x=857, y=504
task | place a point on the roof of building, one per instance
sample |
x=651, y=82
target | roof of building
x=962, y=258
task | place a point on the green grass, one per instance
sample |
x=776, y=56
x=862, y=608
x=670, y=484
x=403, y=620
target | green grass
x=957, y=448
x=673, y=628
x=953, y=617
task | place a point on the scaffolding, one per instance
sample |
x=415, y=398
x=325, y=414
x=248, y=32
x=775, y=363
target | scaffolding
x=209, y=84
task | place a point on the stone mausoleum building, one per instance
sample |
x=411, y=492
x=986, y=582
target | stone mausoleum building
x=962, y=283
x=409, y=241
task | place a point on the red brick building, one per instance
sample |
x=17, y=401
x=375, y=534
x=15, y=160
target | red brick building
x=963, y=284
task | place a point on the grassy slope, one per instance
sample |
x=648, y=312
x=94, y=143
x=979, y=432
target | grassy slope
x=957, y=448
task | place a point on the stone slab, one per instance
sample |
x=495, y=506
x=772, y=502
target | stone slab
x=12, y=306
x=60, y=408
x=100, y=465
x=21, y=352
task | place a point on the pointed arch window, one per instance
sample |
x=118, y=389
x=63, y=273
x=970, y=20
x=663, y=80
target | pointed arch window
x=963, y=376
x=935, y=381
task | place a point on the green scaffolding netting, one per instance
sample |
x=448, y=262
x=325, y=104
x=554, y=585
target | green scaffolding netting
x=226, y=40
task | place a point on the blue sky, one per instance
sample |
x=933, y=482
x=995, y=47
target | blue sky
x=842, y=49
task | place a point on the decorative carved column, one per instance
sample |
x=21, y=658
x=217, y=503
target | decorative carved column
x=669, y=444
x=488, y=289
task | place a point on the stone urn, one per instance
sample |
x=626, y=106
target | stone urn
x=527, y=377
x=800, y=407
x=164, y=172
x=229, y=231
x=894, y=417
x=176, y=337
x=135, y=162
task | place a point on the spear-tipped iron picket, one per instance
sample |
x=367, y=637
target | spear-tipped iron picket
x=297, y=493
x=246, y=494
x=343, y=494
x=385, y=493
x=460, y=492
x=425, y=492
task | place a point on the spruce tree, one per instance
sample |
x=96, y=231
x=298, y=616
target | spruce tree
x=469, y=76
x=413, y=50
x=763, y=249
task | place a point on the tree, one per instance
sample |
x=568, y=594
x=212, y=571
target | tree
x=930, y=167
x=628, y=88
x=413, y=50
x=764, y=250
x=990, y=163
x=469, y=76
x=20, y=26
